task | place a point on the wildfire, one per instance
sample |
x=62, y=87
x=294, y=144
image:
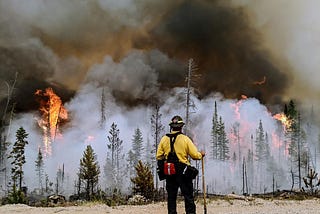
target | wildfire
x=89, y=139
x=53, y=112
x=286, y=122
x=244, y=97
x=260, y=82
x=236, y=106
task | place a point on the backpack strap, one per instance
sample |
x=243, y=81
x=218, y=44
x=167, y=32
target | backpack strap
x=173, y=138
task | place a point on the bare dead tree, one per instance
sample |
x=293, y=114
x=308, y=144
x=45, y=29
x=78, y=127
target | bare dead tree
x=5, y=125
x=156, y=128
x=189, y=103
x=244, y=178
x=10, y=89
x=103, y=109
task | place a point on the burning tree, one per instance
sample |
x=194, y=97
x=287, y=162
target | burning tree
x=297, y=142
x=53, y=113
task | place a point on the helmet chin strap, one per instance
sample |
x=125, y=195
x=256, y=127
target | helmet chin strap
x=176, y=129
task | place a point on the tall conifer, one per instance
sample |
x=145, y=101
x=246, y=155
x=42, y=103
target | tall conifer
x=89, y=171
x=39, y=164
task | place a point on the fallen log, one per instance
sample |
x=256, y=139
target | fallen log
x=240, y=197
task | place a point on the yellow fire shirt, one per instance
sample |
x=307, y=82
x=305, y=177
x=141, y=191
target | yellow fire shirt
x=183, y=146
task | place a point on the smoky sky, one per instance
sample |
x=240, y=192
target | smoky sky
x=27, y=70
x=58, y=49
x=226, y=49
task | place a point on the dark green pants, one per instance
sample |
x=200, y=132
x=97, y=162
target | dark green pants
x=173, y=183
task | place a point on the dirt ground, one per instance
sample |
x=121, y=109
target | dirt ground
x=258, y=206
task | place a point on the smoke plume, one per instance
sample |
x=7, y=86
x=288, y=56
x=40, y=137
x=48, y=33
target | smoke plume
x=60, y=41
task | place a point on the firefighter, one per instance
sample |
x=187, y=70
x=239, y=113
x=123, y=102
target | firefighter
x=183, y=148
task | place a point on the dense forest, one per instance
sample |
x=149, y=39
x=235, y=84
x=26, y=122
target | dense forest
x=258, y=155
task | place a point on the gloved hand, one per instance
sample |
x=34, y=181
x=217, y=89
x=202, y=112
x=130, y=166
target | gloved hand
x=203, y=153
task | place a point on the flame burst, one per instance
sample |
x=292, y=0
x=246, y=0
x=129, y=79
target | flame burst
x=236, y=106
x=286, y=122
x=53, y=113
x=263, y=81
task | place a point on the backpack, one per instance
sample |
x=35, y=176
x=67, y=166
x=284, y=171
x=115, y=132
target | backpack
x=172, y=161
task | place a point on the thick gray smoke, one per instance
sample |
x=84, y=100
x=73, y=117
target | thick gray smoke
x=227, y=49
x=292, y=37
x=70, y=37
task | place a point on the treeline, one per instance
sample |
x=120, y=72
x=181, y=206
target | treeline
x=89, y=173
x=132, y=172
x=253, y=161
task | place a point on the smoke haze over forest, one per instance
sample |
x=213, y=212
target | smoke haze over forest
x=137, y=51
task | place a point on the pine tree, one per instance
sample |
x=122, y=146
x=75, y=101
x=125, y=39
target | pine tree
x=236, y=141
x=262, y=156
x=219, y=140
x=48, y=184
x=39, y=164
x=17, y=154
x=223, y=142
x=143, y=182
x=214, y=133
x=115, y=145
x=131, y=163
x=267, y=147
x=89, y=171
x=113, y=168
x=19, y=159
x=60, y=180
x=260, y=143
x=295, y=134
x=297, y=142
x=149, y=157
x=291, y=111
x=234, y=157
x=137, y=146
x=250, y=167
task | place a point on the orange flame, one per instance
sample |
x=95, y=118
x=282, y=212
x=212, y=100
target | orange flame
x=236, y=106
x=260, y=82
x=53, y=113
x=286, y=122
x=89, y=139
x=244, y=97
